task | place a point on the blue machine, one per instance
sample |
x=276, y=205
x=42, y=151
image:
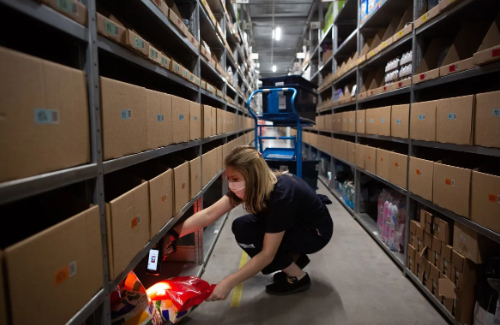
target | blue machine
x=289, y=117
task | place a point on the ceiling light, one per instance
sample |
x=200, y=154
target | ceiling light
x=274, y=68
x=254, y=56
x=278, y=33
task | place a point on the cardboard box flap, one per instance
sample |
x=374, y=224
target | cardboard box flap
x=392, y=28
x=466, y=42
x=431, y=57
x=492, y=37
x=406, y=19
x=378, y=79
x=366, y=47
x=378, y=38
x=119, y=184
x=447, y=288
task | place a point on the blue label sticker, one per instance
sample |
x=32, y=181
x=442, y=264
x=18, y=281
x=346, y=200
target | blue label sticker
x=360, y=120
x=452, y=116
x=46, y=116
x=196, y=118
x=382, y=120
x=126, y=114
x=398, y=121
x=160, y=117
x=181, y=117
x=421, y=116
x=496, y=112
x=371, y=120
x=208, y=119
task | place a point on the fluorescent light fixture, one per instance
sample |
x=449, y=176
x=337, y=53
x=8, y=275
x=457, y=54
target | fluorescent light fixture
x=278, y=33
x=257, y=71
x=274, y=68
x=273, y=34
x=301, y=55
x=255, y=56
x=257, y=65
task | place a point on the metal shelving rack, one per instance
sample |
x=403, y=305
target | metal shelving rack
x=97, y=310
x=347, y=23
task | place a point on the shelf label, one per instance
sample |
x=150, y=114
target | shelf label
x=67, y=6
x=396, y=164
x=46, y=116
x=160, y=117
x=449, y=182
x=153, y=53
x=400, y=85
x=496, y=112
x=136, y=221
x=65, y=273
x=139, y=43
x=111, y=28
x=453, y=68
x=126, y=114
x=371, y=120
x=494, y=198
x=383, y=44
x=495, y=53
x=424, y=17
x=452, y=116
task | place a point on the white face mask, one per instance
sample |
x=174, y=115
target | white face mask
x=238, y=188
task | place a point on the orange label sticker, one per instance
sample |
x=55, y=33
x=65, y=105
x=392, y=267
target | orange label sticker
x=65, y=273
x=183, y=185
x=381, y=159
x=494, y=198
x=396, y=164
x=136, y=221
x=196, y=177
x=419, y=172
x=369, y=157
x=163, y=198
x=449, y=182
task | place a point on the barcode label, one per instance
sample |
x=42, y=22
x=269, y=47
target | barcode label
x=398, y=121
x=139, y=43
x=452, y=116
x=181, y=117
x=153, y=54
x=46, y=116
x=382, y=120
x=126, y=114
x=421, y=116
x=371, y=120
x=160, y=117
x=111, y=28
x=496, y=112
x=67, y=6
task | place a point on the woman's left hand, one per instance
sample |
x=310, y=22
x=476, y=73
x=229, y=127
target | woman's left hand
x=221, y=291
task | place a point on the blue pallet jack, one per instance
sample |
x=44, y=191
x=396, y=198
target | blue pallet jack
x=279, y=119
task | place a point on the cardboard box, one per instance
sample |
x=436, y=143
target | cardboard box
x=398, y=165
x=487, y=120
x=457, y=301
x=445, y=262
x=136, y=43
x=472, y=245
x=434, y=281
x=384, y=119
x=382, y=166
x=176, y=68
x=44, y=116
x=182, y=188
x=208, y=163
x=464, y=275
x=421, y=177
x=360, y=155
x=220, y=120
x=435, y=256
x=427, y=242
x=352, y=121
x=124, y=119
x=127, y=218
x=360, y=117
x=67, y=258
x=412, y=231
x=110, y=29
x=419, y=238
x=351, y=152
x=423, y=121
x=173, y=15
x=442, y=230
x=70, y=8
x=345, y=121
x=371, y=159
x=485, y=199
x=180, y=119
x=429, y=66
x=489, y=50
x=410, y=262
x=451, y=188
x=428, y=16
x=154, y=55
x=454, y=120
x=371, y=121
x=207, y=121
x=214, y=121
x=195, y=176
x=159, y=119
x=195, y=121
x=343, y=149
x=400, y=115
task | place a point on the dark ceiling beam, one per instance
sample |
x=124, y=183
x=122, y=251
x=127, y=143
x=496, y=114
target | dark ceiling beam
x=309, y=18
x=279, y=3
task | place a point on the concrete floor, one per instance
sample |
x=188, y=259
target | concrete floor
x=354, y=283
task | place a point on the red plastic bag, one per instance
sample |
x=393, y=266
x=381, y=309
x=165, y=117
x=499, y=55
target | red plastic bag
x=176, y=297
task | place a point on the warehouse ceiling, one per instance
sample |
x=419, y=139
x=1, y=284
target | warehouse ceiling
x=289, y=15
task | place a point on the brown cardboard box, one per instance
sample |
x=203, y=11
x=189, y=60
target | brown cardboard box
x=423, y=121
x=181, y=186
x=472, y=245
x=383, y=160
x=195, y=176
x=428, y=242
x=442, y=230
x=376, y=41
x=370, y=159
x=371, y=121
x=329, y=122
x=459, y=302
x=410, y=262
x=451, y=188
x=454, y=120
x=214, y=121
x=345, y=121
x=398, y=165
x=360, y=155
x=195, y=121
x=154, y=55
x=208, y=160
x=207, y=121
x=110, y=29
x=44, y=116
x=352, y=121
x=128, y=219
x=413, y=229
x=485, y=199
x=320, y=122
x=161, y=199
x=425, y=218
x=489, y=50
x=445, y=263
x=159, y=119
x=487, y=120
x=434, y=280
x=400, y=115
x=124, y=118
x=220, y=120
x=421, y=176
x=419, y=238
x=180, y=119
x=360, y=117
x=173, y=15
x=342, y=149
x=136, y=43
x=70, y=8
x=428, y=68
x=464, y=275
x=384, y=121
x=351, y=152
x=67, y=258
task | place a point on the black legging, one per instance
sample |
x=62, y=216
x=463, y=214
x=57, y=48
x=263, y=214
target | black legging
x=249, y=232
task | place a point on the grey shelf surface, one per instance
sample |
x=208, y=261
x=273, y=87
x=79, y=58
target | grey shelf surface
x=114, y=283
x=466, y=222
x=329, y=87
x=109, y=46
x=348, y=46
x=387, y=94
x=443, y=16
x=336, y=107
x=21, y=188
x=48, y=16
x=384, y=181
x=127, y=161
x=494, y=152
x=381, y=137
x=81, y=316
x=347, y=76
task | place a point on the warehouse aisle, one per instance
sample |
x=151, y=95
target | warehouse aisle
x=354, y=283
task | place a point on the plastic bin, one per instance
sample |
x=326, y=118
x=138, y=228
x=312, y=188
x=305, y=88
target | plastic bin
x=305, y=102
x=310, y=169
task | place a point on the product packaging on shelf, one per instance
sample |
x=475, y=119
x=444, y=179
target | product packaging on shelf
x=489, y=50
x=159, y=119
x=487, y=120
x=194, y=121
x=180, y=119
x=423, y=121
x=454, y=120
x=400, y=115
x=370, y=159
x=442, y=230
x=110, y=29
x=383, y=163
x=398, y=164
x=73, y=9
x=485, y=198
x=451, y=188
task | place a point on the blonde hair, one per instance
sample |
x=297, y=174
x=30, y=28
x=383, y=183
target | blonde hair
x=259, y=178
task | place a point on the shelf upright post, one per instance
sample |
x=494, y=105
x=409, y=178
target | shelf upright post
x=357, y=174
x=92, y=72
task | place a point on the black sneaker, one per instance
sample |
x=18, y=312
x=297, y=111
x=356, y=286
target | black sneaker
x=301, y=262
x=289, y=286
